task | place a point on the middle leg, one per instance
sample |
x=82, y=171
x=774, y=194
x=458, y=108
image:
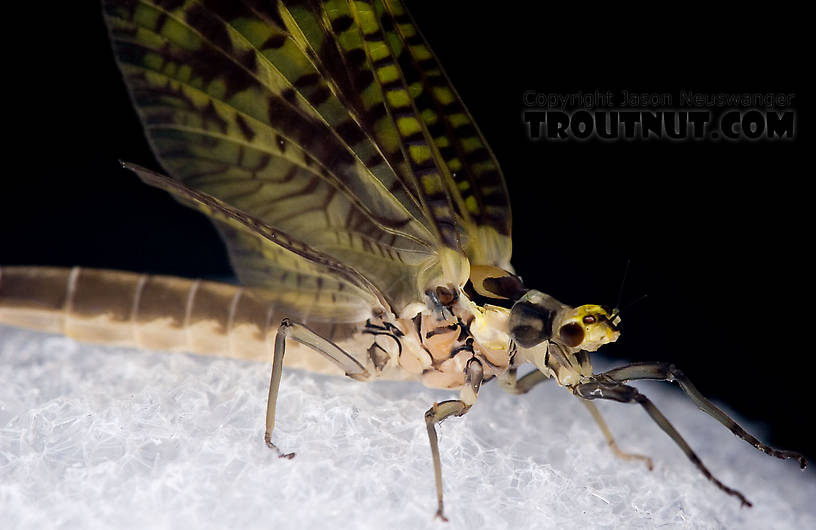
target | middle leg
x=474, y=374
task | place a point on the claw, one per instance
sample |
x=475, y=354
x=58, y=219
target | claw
x=802, y=462
x=281, y=454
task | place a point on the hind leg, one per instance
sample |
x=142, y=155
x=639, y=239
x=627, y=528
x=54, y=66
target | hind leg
x=302, y=334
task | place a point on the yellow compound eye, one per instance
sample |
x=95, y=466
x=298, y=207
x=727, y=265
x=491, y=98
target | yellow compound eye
x=572, y=334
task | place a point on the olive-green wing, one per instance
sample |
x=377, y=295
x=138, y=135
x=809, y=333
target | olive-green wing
x=301, y=281
x=411, y=109
x=301, y=114
x=474, y=178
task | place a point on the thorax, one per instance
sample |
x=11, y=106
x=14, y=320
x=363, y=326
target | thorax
x=439, y=341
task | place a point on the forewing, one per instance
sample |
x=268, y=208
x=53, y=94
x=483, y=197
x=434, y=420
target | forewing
x=329, y=121
x=412, y=110
x=474, y=178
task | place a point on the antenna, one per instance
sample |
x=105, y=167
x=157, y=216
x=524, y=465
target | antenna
x=630, y=304
x=615, y=316
x=622, y=285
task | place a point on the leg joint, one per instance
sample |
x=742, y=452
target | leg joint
x=673, y=373
x=603, y=390
x=285, y=327
x=360, y=376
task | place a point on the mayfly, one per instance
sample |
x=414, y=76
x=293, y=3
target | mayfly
x=364, y=214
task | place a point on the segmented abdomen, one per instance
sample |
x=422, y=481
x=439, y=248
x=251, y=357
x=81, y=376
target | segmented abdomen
x=153, y=312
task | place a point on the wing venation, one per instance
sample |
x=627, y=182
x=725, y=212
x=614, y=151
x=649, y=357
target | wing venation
x=324, y=124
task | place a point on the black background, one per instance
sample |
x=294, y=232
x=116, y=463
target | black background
x=718, y=233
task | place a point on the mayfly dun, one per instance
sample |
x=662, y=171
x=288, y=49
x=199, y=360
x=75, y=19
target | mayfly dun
x=365, y=217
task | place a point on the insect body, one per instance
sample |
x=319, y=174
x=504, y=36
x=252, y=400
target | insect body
x=364, y=214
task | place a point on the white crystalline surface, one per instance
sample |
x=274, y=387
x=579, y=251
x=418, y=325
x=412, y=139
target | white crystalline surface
x=94, y=437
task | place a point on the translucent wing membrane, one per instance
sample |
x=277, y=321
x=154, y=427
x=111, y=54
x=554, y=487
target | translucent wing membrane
x=330, y=122
x=475, y=179
x=317, y=293
x=288, y=272
x=409, y=103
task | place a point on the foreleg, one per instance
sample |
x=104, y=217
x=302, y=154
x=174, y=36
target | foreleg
x=596, y=415
x=668, y=372
x=628, y=394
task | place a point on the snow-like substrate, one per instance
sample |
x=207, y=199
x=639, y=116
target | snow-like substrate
x=94, y=437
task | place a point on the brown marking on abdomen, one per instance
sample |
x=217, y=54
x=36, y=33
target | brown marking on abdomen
x=163, y=313
x=33, y=297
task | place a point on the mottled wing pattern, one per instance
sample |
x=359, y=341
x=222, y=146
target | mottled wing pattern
x=329, y=121
x=285, y=270
x=318, y=292
x=412, y=110
x=476, y=181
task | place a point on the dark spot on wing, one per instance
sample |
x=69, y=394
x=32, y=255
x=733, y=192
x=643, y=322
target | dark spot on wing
x=342, y=23
x=246, y=130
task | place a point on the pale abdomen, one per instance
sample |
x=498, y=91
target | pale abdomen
x=157, y=313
